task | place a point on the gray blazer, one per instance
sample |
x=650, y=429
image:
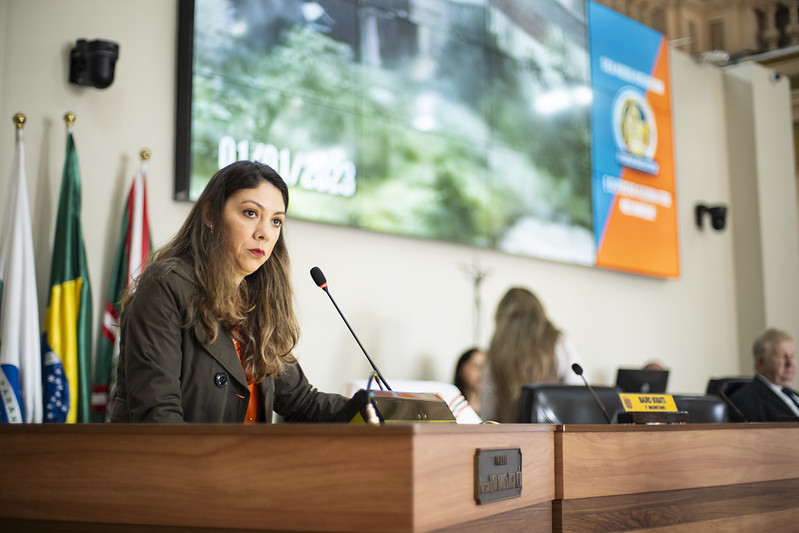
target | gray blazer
x=167, y=373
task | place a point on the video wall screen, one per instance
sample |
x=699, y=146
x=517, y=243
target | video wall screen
x=468, y=121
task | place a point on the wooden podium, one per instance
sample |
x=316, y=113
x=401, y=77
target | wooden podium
x=283, y=477
x=396, y=478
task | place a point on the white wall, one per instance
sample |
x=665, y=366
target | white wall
x=763, y=189
x=776, y=193
x=410, y=301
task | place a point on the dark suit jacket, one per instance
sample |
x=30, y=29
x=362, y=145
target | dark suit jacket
x=759, y=403
x=167, y=373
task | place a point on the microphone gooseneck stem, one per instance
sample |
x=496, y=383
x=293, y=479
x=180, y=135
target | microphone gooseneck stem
x=732, y=405
x=374, y=367
x=596, y=399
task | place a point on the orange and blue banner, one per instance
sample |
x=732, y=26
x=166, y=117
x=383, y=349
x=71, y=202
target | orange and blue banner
x=632, y=182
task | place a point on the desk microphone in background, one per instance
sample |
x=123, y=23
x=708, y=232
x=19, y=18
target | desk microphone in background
x=579, y=371
x=321, y=281
x=730, y=404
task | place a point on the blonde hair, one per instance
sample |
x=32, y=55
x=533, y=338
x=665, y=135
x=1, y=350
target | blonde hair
x=522, y=349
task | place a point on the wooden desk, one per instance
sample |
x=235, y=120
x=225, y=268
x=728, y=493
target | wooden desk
x=710, y=477
x=409, y=478
x=399, y=478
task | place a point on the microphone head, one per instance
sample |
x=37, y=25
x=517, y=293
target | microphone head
x=318, y=277
x=577, y=369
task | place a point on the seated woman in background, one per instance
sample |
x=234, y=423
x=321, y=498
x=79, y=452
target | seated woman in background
x=469, y=374
x=526, y=348
x=208, y=330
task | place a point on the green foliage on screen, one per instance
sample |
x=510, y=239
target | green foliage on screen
x=417, y=123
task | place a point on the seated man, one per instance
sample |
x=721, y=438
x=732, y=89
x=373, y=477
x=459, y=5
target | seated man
x=767, y=397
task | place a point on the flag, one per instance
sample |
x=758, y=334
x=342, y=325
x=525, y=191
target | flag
x=66, y=338
x=20, y=362
x=133, y=252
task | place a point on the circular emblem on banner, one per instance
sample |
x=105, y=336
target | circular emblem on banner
x=634, y=128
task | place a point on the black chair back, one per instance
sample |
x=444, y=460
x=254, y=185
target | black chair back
x=708, y=409
x=727, y=385
x=557, y=403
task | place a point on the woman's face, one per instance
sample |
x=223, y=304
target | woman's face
x=472, y=370
x=253, y=219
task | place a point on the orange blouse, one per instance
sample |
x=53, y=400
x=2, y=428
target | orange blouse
x=255, y=407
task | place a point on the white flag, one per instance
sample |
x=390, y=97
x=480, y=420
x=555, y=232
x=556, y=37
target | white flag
x=20, y=353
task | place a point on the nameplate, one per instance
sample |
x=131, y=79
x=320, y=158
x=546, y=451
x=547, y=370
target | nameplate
x=638, y=403
x=498, y=474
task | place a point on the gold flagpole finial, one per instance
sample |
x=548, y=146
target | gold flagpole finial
x=144, y=154
x=69, y=118
x=19, y=120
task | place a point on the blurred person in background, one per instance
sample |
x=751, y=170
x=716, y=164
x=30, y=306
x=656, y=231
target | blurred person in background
x=526, y=348
x=768, y=397
x=469, y=374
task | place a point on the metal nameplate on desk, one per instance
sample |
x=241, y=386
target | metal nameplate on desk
x=497, y=474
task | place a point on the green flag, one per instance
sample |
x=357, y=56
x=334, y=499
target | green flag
x=66, y=340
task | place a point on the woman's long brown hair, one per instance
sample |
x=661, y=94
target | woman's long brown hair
x=259, y=313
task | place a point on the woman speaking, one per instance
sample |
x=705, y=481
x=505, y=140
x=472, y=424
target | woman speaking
x=208, y=329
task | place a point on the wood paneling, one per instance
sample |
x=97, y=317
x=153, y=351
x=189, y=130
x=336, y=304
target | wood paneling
x=697, y=508
x=534, y=519
x=445, y=489
x=596, y=461
x=396, y=478
x=284, y=477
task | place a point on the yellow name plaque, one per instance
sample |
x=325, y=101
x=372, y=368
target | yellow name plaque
x=648, y=402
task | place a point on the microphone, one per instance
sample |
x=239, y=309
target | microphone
x=321, y=281
x=579, y=371
x=730, y=404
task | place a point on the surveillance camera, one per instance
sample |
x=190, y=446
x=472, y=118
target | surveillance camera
x=718, y=216
x=92, y=63
x=775, y=76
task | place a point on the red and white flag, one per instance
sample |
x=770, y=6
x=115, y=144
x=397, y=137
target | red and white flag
x=135, y=245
